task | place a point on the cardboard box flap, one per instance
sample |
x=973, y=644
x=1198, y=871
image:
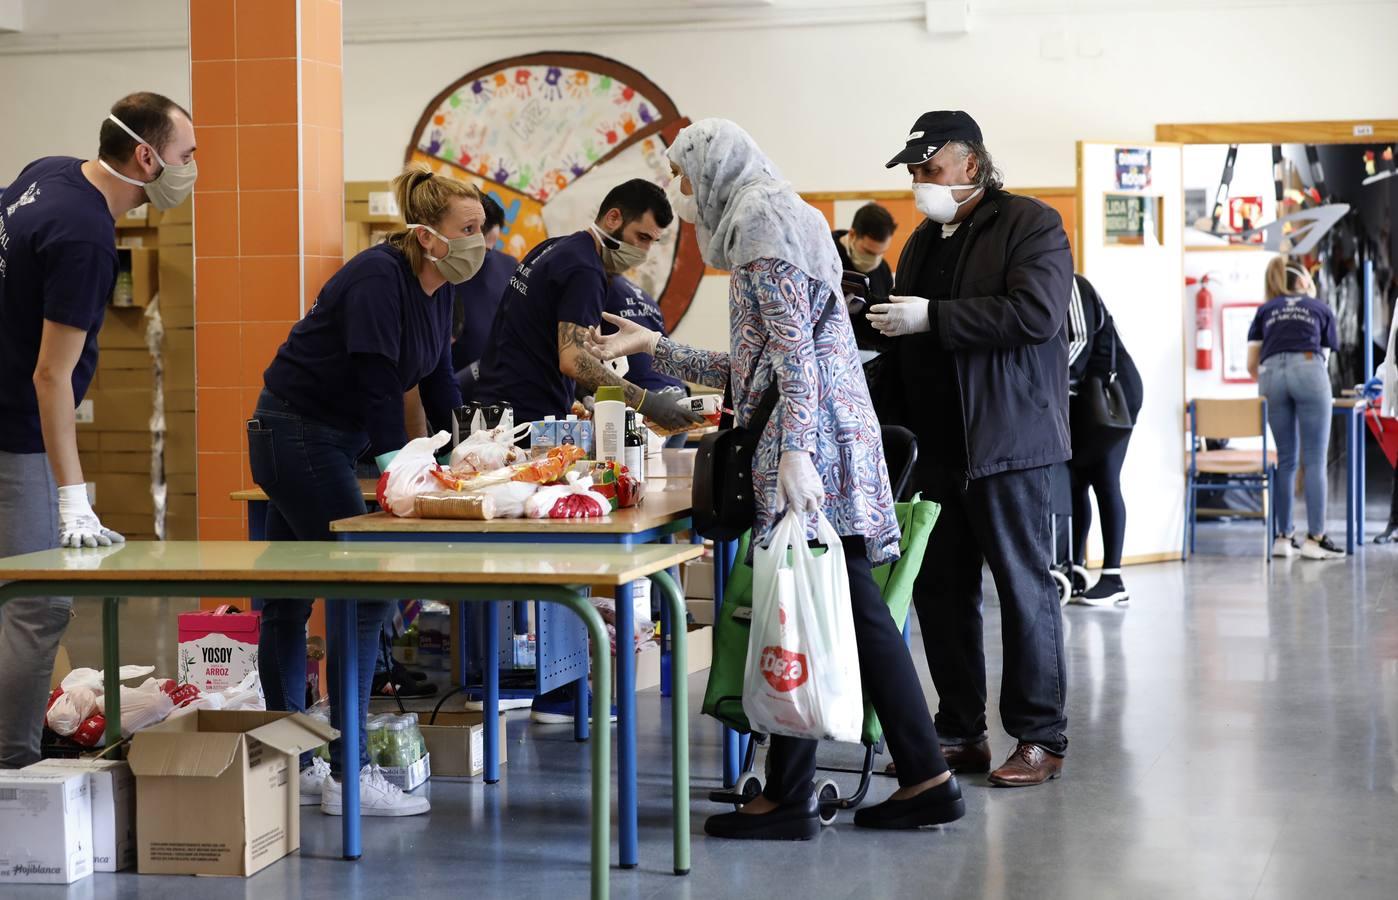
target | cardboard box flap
x=294, y=734
x=199, y=754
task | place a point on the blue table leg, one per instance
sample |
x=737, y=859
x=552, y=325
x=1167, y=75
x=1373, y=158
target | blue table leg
x=1361, y=477
x=723, y=552
x=257, y=520
x=1349, y=486
x=491, y=726
x=626, y=725
x=666, y=659
x=580, y=704
x=344, y=640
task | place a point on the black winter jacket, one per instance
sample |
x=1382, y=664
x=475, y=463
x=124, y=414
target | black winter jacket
x=1005, y=328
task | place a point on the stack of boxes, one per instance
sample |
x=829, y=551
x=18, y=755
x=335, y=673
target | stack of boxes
x=125, y=410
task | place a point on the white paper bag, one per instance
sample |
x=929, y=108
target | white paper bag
x=802, y=676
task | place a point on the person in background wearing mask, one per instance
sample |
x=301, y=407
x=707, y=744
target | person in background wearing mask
x=534, y=359
x=627, y=300
x=1286, y=354
x=981, y=353
x=476, y=302
x=58, y=266
x=862, y=247
x=380, y=326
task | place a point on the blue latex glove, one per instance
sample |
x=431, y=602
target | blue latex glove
x=1373, y=388
x=383, y=459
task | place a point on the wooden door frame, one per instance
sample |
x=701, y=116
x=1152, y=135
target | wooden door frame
x=1355, y=131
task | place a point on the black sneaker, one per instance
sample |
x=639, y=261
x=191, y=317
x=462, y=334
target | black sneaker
x=1079, y=583
x=1108, y=591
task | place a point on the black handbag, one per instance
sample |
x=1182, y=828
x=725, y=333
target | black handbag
x=1102, y=400
x=723, y=498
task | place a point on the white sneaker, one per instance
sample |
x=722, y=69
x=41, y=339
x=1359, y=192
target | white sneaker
x=1284, y=547
x=377, y=797
x=1320, y=548
x=506, y=703
x=313, y=781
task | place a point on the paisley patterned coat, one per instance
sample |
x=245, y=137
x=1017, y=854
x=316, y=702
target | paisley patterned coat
x=824, y=407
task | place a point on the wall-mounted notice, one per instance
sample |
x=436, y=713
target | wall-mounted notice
x=1131, y=220
x=1132, y=168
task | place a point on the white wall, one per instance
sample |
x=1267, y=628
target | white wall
x=829, y=103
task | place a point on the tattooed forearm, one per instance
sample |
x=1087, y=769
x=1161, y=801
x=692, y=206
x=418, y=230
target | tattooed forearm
x=587, y=370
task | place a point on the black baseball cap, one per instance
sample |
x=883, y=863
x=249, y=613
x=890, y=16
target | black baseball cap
x=932, y=132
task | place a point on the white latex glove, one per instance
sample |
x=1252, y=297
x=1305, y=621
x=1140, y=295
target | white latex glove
x=901, y=315
x=630, y=338
x=798, y=483
x=78, y=524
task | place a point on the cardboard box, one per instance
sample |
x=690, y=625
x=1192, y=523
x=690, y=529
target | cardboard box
x=89, y=444
x=125, y=358
x=698, y=577
x=218, y=791
x=409, y=778
x=127, y=379
x=108, y=462
x=701, y=610
x=180, y=215
x=126, y=442
x=45, y=827
x=177, y=357
x=122, y=494
x=175, y=235
x=700, y=656
x=179, y=400
x=113, y=791
x=181, y=483
x=122, y=410
x=456, y=743
x=123, y=329
x=217, y=651
x=143, y=264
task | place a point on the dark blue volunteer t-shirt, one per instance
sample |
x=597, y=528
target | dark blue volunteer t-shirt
x=58, y=261
x=1294, y=325
x=476, y=303
x=371, y=336
x=627, y=300
x=561, y=280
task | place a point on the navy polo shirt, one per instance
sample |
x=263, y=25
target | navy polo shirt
x=58, y=261
x=1294, y=325
x=561, y=280
x=372, y=336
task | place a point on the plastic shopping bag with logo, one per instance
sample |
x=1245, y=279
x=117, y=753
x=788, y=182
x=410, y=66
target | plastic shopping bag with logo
x=802, y=677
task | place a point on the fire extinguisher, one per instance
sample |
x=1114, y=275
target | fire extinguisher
x=1203, y=325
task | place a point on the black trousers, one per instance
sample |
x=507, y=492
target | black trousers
x=890, y=684
x=1102, y=474
x=1001, y=520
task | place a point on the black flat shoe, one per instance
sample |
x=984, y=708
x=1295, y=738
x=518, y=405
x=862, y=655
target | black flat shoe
x=936, y=806
x=798, y=821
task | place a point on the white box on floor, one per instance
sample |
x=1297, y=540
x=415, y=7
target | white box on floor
x=409, y=778
x=45, y=827
x=113, y=790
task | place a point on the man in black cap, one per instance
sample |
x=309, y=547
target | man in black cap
x=975, y=327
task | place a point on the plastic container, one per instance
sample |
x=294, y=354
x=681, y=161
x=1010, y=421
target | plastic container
x=376, y=737
x=609, y=425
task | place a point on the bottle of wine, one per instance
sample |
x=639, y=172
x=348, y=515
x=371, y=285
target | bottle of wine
x=635, y=457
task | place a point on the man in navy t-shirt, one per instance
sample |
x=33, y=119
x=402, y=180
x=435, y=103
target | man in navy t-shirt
x=536, y=359
x=58, y=265
x=626, y=299
x=476, y=301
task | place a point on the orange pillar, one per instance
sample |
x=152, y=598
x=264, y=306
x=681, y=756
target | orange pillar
x=268, y=211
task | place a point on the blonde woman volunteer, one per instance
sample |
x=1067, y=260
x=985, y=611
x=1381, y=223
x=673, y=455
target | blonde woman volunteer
x=1286, y=354
x=381, y=326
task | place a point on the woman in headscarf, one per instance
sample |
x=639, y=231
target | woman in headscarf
x=821, y=450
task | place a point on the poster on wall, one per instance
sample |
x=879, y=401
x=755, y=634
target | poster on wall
x=1132, y=168
x=1131, y=220
x=1234, y=320
x=545, y=135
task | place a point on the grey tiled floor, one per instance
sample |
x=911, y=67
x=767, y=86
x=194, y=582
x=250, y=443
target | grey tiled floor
x=1235, y=735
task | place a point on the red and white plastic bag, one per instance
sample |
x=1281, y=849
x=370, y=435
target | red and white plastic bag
x=410, y=474
x=802, y=676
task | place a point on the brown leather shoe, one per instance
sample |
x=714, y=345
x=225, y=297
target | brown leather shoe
x=961, y=759
x=1029, y=765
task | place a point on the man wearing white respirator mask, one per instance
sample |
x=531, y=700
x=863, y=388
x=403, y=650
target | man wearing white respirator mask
x=980, y=355
x=58, y=265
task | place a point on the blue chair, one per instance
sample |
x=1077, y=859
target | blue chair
x=1244, y=470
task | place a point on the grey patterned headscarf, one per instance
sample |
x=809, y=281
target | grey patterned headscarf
x=747, y=211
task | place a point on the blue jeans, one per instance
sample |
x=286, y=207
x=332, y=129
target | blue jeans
x=307, y=470
x=1297, y=388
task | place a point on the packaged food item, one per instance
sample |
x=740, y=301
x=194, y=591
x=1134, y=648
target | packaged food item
x=552, y=467
x=488, y=480
x=413, y=471
x=510, y=498
x=634, y=456
x=710, y=406
x=574, y=500
x=486, y=450
x=543, y=436
x=442, y=505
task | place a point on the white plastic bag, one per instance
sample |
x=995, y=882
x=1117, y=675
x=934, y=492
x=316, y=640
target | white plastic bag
x=410, y=473
x=802, y=676
x=489, y=449
x=144, y=706
x=510, y=498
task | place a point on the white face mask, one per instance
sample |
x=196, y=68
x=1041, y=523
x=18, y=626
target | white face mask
x=464, y=255
x=936, y=202
x=686, y=206
x=617, y=255
x=171, y=187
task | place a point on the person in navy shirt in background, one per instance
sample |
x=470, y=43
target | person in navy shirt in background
x=58, y=265
x=477, y=301
x=1286, y=354
x=535, y=358
x=380, y=327
x=626, y=299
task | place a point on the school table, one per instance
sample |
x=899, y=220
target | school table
x=378, y=571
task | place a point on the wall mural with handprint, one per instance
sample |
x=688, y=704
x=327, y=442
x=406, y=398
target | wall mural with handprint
x=547, y=135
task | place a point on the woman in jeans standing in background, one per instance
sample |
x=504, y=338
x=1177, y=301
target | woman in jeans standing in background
x=1286, y=354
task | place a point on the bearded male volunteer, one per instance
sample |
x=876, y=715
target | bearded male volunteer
x=981, y=357
x=58, y=264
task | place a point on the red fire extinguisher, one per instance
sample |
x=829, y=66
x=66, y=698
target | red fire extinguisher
x=1203, y=325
